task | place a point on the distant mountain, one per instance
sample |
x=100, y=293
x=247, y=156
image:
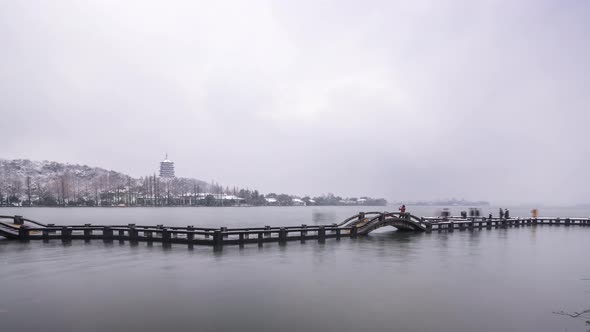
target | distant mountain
x=447, y=202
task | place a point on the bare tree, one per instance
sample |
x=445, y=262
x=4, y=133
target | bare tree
x=28, y=181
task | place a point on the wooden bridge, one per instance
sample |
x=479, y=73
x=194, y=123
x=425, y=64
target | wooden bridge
x=363, y=223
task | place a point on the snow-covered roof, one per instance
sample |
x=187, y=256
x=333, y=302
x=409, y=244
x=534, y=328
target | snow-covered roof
x=231, y=197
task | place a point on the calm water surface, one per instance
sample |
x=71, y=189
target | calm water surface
x=488, y=280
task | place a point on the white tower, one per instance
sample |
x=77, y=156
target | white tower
x=167, y=168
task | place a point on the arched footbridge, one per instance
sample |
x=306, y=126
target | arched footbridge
x=370, y=221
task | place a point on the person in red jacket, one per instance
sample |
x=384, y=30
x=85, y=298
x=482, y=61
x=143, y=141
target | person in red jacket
x=402, y=209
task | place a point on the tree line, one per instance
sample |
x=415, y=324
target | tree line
x=24, y=183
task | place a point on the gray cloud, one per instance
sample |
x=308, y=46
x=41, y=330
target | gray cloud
x=407, y=100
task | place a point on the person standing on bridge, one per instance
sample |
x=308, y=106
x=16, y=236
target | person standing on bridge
x=501, y=213
x=402, y=210
x=507, y=214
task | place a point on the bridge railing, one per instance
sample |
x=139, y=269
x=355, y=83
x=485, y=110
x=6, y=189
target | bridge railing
x=381, y=217
x=186, y=235
x=357, y=217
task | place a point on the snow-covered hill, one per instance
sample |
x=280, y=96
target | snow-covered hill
x=54, y=183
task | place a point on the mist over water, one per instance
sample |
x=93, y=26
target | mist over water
x=486, y=280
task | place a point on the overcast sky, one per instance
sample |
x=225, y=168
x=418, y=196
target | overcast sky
x=400, y=99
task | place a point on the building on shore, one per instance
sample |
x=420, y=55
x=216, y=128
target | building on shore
x=271, y=201
x=167, y=168
x=298, y=202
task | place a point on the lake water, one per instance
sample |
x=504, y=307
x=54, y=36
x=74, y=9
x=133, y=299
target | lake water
x=486, y=280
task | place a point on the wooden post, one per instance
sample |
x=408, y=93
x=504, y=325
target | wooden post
x=353, y=232
x=488, y=224
x=217, y=239
x=87, y=233
x=303, y=233
x=282, y=236
x=23, y=233
x=107, y=234
x=567, y=221
x=132, y=233
x=166, y=238
x=451, y=226
x=260, y=239
x=241, y=240
x=190, y=236
x=224, y=231
x=149, y=236
x=321, y=234
x=66, y=234
x=120, y=235
x=267, y=231
x=45, y=235
x=338, y=233
x=428, y=228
